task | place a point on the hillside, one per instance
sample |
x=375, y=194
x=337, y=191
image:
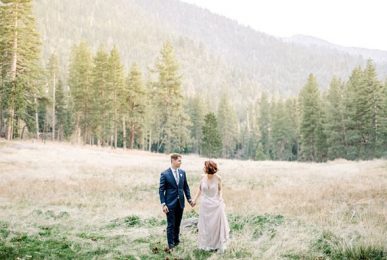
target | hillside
x=216, y=54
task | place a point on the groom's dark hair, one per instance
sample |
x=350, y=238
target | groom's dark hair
x=174, y=156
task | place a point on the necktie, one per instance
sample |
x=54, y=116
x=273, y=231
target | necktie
x=176, y=176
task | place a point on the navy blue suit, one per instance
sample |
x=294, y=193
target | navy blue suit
x=173, y=196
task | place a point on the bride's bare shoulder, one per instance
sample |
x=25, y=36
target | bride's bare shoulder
x=218, y=176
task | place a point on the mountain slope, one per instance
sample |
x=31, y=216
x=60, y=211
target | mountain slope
x=377, y=55
x=216, y=54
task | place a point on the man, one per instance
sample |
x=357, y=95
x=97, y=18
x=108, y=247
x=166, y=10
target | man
x=173, y=186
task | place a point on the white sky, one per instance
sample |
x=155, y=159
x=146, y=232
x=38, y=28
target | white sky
x=358, y=23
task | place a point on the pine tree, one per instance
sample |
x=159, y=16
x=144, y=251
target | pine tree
x=353, y=114
x=69, y=120
x=60, y=111
x=116, y=84
x=313, y=142
x=259, y=154
x=19, y=56
x=228, y=127
x=364, y=114
x=135, y=104
x=264, y=127
x=52, y=80
x=172, y=122
x=335, y=127
x=211, y=143
x=101, y=98
x=80, y=82
x=283, y=133
x=42, y=117
x=374, y=129
x=249, y=134
x=322, y=146
x=384, y=121
x=197, y=111
x=148, y=141
x=293, y=126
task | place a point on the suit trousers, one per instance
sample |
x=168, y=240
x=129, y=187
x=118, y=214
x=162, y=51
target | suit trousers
x=174, y=217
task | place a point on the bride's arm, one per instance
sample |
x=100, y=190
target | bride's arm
x=198, y=193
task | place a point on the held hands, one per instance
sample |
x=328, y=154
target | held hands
x=166, y=210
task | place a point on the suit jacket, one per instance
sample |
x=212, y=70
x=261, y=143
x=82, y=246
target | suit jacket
x=170, y=193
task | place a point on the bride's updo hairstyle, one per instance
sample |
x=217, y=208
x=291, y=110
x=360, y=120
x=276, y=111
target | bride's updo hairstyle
x=210, y=167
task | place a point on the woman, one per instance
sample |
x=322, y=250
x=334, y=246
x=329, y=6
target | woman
x=213, y=226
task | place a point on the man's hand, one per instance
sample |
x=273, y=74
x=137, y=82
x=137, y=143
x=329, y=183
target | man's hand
x=192, y=203
x=165, y=209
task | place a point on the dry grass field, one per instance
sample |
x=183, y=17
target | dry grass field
x=80, y=202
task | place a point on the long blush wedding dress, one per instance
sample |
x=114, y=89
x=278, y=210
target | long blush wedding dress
x=213, y=225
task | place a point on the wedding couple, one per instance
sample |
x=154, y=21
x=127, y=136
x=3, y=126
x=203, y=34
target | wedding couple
x=213, y=226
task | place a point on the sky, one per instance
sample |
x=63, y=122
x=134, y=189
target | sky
x=350, y=23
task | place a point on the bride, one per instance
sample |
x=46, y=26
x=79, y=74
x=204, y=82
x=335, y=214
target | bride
x=213, y=225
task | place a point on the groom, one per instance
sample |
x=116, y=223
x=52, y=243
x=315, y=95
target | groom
x=173, y=183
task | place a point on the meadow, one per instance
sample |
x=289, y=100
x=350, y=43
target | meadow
x=64, y=201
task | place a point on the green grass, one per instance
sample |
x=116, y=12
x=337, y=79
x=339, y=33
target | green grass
x=55, y=241
x=4, y=232
x=133, y=221
x=259, y=224
x=52, y=243
x=49, y=214
x=91, y=236
x=190, y=214
x=201, y=254
x=35, y=246
x=334, y=248
x=330, y=246
x=361, y=252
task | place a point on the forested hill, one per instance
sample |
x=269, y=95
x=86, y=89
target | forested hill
x=214, y=52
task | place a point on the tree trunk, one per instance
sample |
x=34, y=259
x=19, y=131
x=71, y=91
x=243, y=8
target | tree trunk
x=78, y=130
x=36, y=117
x=143, y=138
x=16, y=128
x=11, y=109
x=53, y=108
x=132, y=132
x=123, y=133
x=115, y=127
x=115, y=135
x=10, y=123
x=150, y=141
x=22, y=133
x=1, y=119
x=60, y=133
